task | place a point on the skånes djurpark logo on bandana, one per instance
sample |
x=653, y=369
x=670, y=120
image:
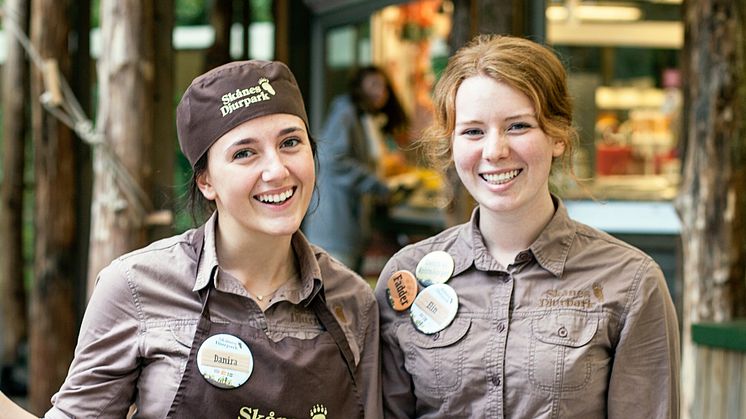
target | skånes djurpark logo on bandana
x=243, y=98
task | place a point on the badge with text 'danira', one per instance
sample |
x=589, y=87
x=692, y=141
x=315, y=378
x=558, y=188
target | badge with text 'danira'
x=401, y=290
x=225, y=361
x=435, y=268
x=434, y=308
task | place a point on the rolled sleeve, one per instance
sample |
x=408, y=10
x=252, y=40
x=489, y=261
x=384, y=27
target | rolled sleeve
x=101, y=379
x=645, y=375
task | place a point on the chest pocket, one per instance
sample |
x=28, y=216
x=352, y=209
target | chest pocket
x=560, y=358
x=435, y=361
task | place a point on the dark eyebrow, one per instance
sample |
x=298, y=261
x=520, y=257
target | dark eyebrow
x=251, y=140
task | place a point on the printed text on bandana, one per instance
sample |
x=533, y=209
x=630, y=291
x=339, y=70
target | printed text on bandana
x=243, y=98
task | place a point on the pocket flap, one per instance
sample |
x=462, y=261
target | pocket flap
x=567, y=329
x=448, y=336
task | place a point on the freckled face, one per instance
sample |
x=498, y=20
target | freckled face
x=261, y=175
x=501, y=154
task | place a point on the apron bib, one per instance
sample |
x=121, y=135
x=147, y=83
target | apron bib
x=292, y=378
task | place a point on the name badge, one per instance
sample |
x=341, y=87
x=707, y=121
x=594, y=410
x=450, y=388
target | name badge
x=435, y=268
x=434, y=309
x=225, y=361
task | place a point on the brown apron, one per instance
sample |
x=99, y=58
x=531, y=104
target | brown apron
x=292, y=378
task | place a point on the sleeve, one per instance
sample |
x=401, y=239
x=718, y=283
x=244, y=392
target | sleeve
x=102, y=378
x=399, y=400
x=337, y=152
x=369, y=369
x=645, y=372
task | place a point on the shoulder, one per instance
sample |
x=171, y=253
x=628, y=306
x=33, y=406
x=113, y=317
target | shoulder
x=341, y=283
x=448, y=241
x=591, y=241
x=154, y=271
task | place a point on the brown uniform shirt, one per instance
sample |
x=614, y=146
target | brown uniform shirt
x=581, y=325
x=139, y=324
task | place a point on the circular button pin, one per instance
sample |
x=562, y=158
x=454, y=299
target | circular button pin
x=225, y=361
x=402, y=290
x=434, y=308
x=435, y=268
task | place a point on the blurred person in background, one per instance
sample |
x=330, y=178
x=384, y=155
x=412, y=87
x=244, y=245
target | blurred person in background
x=355, y=152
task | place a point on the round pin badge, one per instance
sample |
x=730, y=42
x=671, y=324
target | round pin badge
x=435, y=268
x=225, y=361
x=402, y=290
x=434, y=308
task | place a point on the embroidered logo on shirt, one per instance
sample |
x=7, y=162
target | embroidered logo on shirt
x=598, y=291
x=566, y=298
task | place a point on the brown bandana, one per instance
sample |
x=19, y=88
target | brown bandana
x=229, y=95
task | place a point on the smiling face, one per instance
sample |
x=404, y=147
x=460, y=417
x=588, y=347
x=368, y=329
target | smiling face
x=261, y=176
x=501, y=154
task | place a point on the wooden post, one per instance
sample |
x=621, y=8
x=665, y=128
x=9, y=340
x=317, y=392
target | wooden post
x=52, y=315
x=164, y=138
x=125, y=112
x=712, y=199
x=13, y=322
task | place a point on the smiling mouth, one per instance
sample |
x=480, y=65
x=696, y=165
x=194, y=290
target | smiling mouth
x=501, y=178
x=276, y=198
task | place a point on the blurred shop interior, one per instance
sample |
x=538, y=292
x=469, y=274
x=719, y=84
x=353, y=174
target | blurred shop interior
x=623, y=60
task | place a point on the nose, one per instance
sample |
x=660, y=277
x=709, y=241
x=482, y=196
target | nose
x=496, y=146
x=274, y=167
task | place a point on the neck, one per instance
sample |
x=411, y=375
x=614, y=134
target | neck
x=261, y=264
x=508, y=233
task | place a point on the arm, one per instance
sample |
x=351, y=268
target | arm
x=369, y=369
x=102, y=378
x=399, y=400
x=645, y=372
x=337, y=153
x=10, y=410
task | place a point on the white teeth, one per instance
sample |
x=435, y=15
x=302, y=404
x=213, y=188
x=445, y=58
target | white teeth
x=276, y=198
x=501, y=178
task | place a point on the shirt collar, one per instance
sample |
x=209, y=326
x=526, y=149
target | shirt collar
x=550, y=249
x=310, y=272
x=208, y=260
x=553, y=244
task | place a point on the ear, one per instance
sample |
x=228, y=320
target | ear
x=558, y=148
x=205, y=185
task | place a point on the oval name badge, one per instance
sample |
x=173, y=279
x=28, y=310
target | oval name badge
x=434, y=308
x=435, y=268
x=401, y=290
x=225, y=361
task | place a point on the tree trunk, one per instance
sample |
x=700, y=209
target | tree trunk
x=221, y=18
x=125, y=114
x=52, y=315
x=13, y=322
x=712, y=199
x=162, y=97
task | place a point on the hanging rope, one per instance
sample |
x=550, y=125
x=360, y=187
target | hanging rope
x=59, y=100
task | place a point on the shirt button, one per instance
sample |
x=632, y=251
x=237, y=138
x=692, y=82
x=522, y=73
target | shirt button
x=500, y=327
x=496, y=380
x=562, y=332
